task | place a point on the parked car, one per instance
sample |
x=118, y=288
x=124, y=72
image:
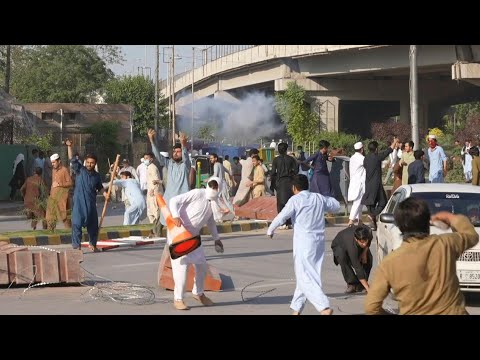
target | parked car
x=455, y=198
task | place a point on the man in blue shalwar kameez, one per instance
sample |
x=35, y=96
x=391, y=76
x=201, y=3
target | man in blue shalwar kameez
x=307, y=211
x=84, y=214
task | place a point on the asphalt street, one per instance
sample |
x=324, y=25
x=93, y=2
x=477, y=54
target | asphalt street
x=257, y=279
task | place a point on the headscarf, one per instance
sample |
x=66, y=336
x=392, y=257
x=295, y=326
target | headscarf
x=20, y=157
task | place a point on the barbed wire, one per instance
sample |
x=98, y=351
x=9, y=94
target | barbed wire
x=119, y=291
x=260, y=293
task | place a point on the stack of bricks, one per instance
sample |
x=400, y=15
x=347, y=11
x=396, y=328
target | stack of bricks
x=261, y=208
x=24, y=265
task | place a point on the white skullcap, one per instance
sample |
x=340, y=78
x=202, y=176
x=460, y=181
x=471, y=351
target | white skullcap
x=54, y=157
x=164, y=154
x=430, y=137
x=358, y=145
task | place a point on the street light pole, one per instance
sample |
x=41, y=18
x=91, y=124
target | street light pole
x=156, y=86
x=193, y=93
x=173, y=94
x=414, y=95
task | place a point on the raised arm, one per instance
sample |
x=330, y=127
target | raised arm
x=151, y=136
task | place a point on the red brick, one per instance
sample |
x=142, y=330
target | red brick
x=70, y=270
x=11, y=248
x=46, y=263
x=21, y=267
x=262, y=208
x=4, y=279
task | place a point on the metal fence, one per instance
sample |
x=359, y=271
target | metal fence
x=210, y=54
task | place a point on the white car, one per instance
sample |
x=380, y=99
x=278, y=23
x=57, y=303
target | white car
x=456, y=198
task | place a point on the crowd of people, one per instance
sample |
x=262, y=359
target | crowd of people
x=304, y=193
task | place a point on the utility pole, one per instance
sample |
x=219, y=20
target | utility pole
x=7, y=70
x=173, y=94
x=193, y=93
x=414, y=95
x=156, y=85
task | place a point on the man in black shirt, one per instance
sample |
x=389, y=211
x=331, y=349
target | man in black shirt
x=351, y=249
x=284, y=167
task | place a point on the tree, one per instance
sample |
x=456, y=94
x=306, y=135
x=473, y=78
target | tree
x=206, y=133
x=58, y=73
x=302, y=123
x=105, y=141
x=138, y=92
x=111, y=54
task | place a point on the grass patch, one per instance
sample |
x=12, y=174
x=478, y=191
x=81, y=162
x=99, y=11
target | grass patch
x=69, y=231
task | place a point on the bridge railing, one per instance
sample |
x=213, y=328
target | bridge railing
x=210, y=54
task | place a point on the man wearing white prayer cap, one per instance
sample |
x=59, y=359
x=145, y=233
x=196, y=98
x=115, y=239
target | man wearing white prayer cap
x=437, y=160
x=58, y=205
x=356, y=188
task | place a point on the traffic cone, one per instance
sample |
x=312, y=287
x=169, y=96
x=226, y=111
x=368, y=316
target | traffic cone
x=183, y=242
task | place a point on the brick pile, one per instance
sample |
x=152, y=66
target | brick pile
x=25, y=265
x=261, y=208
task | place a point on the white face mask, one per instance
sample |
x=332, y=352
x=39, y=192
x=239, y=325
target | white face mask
x=211, y=193
x=146, y=162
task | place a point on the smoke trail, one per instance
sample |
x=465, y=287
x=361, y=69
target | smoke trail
x=250, y=117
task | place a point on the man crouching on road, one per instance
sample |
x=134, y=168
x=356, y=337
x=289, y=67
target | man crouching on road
x=194, y=209
x=422, y=271
x=351, y=250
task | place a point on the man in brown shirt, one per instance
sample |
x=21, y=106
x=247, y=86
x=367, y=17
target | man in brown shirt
x=422, y=272
x=34, y=193
x=57, y=204
x=258, y=184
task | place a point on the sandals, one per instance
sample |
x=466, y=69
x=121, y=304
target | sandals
x=94, y=248
x=218, y=246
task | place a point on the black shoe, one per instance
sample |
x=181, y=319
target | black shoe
x=359, y=288
x=350, y=289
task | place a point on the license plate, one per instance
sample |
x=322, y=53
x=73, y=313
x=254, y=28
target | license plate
x=469, y=276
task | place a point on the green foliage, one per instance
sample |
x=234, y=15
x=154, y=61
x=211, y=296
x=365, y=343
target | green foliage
x=111, y=54
x=105, y=141
x=339, y=140
x=58, y=73
x=463, y=112
x=455, y=174
x=206, y=133
x=140, y=93
x=43, y=142
x=301, y=122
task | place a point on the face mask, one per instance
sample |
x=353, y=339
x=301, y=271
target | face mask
x=146, y=162
x=211, y=194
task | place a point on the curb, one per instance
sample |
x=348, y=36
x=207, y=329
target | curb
x=338, y=220
x=65, y=239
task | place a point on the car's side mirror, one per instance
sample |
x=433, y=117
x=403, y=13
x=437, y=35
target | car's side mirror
x=387, y=218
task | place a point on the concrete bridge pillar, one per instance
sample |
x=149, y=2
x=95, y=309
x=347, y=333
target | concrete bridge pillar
x=327, y=108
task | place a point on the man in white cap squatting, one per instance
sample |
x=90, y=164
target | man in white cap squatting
x=356, y=189
x=438, y=161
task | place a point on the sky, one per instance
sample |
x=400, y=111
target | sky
x=135, y=58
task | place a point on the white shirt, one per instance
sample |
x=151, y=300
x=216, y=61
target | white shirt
x=142, y=176
x=195, y=211
x=357, y=176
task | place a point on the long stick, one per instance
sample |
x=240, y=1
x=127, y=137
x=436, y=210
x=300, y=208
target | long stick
x=115, y=166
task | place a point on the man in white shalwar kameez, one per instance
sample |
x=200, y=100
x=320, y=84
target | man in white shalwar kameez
x=194, y=209
x=133, y=193
x=243, y=193
x=307, y=212
x=356, y=188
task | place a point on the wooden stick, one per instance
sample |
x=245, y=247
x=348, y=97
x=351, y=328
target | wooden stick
x=115, y=166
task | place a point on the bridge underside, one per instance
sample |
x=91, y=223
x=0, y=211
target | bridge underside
x=355, y=88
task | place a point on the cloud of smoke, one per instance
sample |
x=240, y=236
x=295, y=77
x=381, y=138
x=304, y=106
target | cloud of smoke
x=248, y=118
